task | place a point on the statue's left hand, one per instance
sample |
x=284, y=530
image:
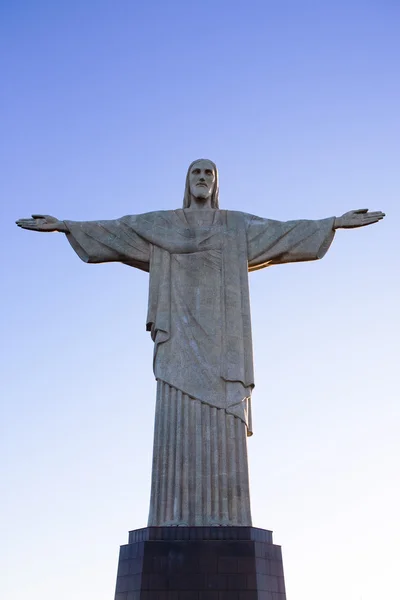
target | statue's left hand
x=358, y=218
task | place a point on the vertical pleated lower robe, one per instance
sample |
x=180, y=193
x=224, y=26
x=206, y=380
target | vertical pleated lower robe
x=200, y=471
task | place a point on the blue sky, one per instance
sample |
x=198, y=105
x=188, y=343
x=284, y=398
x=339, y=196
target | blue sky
x=104, y=104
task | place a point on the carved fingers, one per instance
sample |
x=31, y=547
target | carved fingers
x=360, y=218
x=39, y=223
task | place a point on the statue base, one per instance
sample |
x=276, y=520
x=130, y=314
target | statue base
x=200, y=563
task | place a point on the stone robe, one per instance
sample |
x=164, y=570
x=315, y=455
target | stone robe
x=199, y=320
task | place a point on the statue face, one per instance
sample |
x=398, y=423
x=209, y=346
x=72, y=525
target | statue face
x=202, y=180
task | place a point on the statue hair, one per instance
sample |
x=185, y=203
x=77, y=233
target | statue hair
x=215, y=194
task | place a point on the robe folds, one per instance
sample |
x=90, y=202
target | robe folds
x=199, y=320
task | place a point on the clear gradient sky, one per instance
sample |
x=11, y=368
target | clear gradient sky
x=103, y=106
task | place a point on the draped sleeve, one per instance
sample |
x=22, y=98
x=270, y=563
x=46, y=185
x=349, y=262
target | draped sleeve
x=117, y=240
x=272, y=242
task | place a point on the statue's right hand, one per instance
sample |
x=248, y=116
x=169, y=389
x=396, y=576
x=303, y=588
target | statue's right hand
x=42, y=223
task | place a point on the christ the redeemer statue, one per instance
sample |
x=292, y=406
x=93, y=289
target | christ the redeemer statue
x=198, y=258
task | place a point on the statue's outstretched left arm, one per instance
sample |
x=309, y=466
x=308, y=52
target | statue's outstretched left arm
x=272, y=242
x=357, y=218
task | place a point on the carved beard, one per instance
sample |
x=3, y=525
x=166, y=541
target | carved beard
x=201, y=193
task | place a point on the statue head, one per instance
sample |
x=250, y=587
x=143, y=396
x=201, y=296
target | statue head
x=202, y=183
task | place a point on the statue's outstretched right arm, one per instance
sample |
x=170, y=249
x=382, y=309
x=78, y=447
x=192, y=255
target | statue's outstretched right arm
x=98, y=241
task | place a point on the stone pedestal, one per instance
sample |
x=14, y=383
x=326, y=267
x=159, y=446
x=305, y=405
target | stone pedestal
x=200, y=563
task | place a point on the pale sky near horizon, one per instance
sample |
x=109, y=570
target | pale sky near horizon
x=103, y=106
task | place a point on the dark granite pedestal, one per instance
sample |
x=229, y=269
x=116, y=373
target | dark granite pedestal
x=200, y=563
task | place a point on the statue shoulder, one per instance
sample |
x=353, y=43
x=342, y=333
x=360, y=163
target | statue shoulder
x=244, y=217
x=148, y=216
x=241, y=213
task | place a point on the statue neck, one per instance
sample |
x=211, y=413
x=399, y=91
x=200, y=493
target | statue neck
x=200, y=204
